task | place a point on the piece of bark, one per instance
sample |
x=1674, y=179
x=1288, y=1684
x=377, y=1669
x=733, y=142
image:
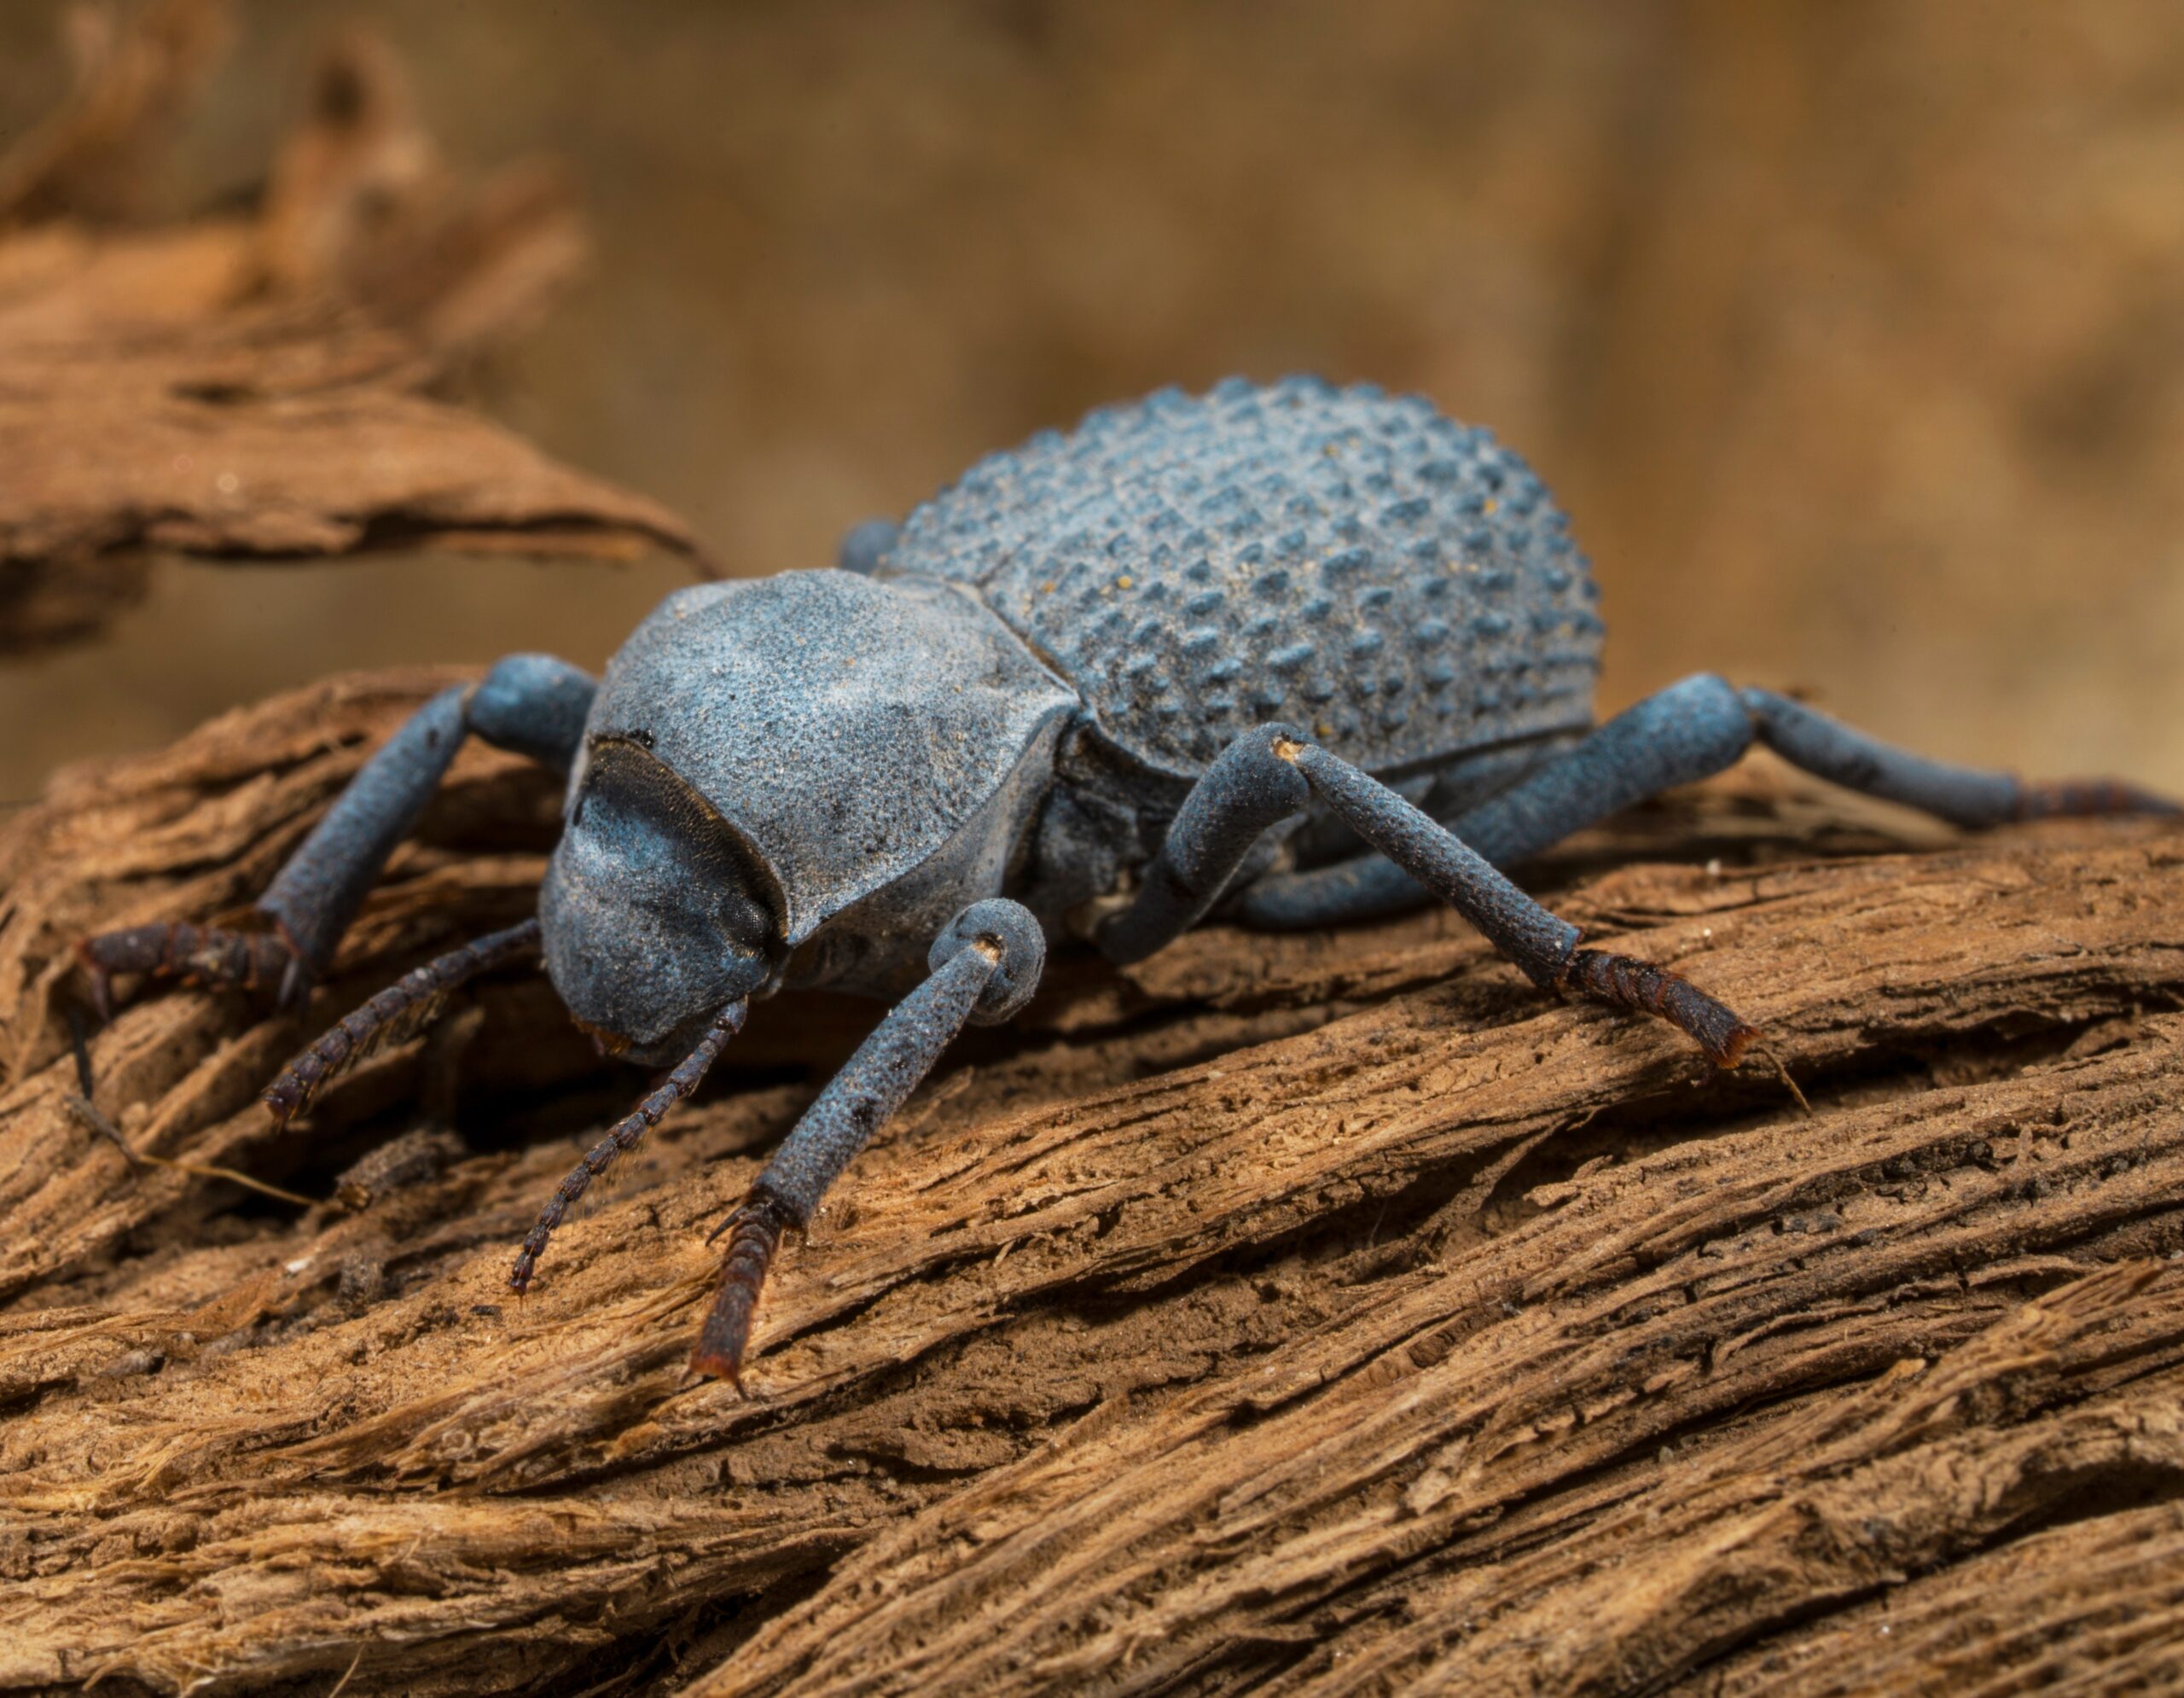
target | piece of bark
x=362, y=207
x=262, y=386
x=96, y=156
x=1329, y=1312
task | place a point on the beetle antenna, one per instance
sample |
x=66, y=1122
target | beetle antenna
x=401, y=1011
x=625, y=1134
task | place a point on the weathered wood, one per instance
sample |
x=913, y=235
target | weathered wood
x=261, y=385
x=1329, y=1312
x=96, y=154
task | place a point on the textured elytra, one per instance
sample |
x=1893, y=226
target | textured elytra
x=1360, y=564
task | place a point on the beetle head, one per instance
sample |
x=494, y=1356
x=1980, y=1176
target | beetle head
x=655, y=912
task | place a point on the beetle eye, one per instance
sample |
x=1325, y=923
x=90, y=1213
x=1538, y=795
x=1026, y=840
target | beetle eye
x=663, y=829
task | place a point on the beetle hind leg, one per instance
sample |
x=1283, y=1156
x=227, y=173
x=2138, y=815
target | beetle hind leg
x=1274, y=771
x=1688, y=731
x=1965, y=796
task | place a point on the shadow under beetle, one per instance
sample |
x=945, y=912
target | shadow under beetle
x=1294, y=655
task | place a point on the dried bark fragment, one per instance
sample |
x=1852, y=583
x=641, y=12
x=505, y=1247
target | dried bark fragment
x=260, y=386
x=1332, y=1314
x=134, y=79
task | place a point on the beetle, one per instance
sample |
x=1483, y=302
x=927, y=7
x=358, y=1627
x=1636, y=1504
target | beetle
x=1292, y=655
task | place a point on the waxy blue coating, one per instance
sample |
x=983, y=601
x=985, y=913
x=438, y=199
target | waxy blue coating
x=1689, y=731
x=1400, y=585
x=1246, y=792
x=1962, y=796
x=1010, y=928
x=317, y=892
x=1537, y=940
x=534, y=704
x=874, y=1082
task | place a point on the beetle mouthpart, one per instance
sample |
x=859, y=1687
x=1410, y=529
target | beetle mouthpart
x=608, y=1043
x=754, y=1234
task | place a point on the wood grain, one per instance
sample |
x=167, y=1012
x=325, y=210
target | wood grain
x=1329, y=1313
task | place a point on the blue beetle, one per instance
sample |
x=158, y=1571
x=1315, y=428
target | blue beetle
x=1292, y=653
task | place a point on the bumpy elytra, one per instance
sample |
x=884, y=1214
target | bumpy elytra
x=1291, y=654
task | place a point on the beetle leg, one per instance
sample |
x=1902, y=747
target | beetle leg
x=984, y=965
x=1963, y=795
x=864, y=546
x=174, y=949
x=1274, y=771
x=1679, y=735
x=532, y=704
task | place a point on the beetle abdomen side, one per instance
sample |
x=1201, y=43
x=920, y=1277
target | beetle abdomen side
x=1360, y=565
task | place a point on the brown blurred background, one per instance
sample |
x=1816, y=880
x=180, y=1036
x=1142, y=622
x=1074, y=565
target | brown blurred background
x=1852, y=334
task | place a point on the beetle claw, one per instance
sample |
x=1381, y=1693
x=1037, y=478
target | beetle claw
x=1645, y=987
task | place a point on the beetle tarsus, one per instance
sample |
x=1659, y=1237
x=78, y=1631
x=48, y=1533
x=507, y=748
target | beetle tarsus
x=1626, y=982
x=174, y=949
x=2083, y=798
x=754, y=1234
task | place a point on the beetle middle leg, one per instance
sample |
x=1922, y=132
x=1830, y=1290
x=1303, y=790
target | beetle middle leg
x=984, y=965
x=1274, y=771
x=1691, y=731
x=863, y=546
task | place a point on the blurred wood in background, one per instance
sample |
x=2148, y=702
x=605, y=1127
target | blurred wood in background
x=255, y=385
x=1850, y=333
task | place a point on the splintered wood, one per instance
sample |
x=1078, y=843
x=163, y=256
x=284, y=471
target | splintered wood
x=1327, y=1314
x=260, y=385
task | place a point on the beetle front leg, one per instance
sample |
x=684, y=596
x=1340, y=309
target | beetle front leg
x=984, y=967
x=174, y=949
x=532, y=704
